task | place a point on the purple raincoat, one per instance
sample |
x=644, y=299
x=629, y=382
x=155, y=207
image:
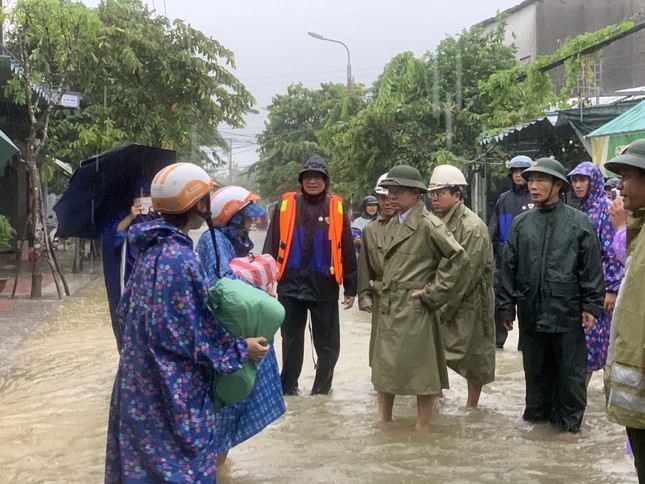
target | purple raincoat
x=596, y=206
x=162, y=421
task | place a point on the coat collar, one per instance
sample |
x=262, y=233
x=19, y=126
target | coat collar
x=454, y=214
x=403, y=231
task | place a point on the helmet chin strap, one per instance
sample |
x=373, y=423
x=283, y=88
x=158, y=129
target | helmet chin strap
x=211, y=228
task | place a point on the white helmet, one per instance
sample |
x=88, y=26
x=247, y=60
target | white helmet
x=444, y=176
x=229, y=200
x=178, y=187
x=380, y=190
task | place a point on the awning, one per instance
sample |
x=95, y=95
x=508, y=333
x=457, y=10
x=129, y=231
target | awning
x=632, y=121
x=7, y=149
x=548, y=120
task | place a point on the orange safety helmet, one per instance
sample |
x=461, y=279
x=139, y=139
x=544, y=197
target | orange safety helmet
x=227, y=201
x=178, y=187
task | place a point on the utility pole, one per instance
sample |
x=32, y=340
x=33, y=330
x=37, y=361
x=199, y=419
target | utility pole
x=230, y=161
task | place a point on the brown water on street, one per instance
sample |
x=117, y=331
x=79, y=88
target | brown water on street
x=54, y=410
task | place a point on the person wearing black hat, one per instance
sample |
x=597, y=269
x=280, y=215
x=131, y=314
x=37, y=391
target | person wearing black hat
x=624, y=373
x=311, y=240
x=552, y=271
x=423, y=268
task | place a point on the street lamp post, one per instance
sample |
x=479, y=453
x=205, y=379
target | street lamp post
x=349, y=65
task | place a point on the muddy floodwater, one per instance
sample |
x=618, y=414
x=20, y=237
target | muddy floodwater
x=54, y=409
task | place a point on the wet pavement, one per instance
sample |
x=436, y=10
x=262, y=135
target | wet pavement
x=54, y=408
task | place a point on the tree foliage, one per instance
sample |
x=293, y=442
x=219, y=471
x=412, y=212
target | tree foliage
x=294, y=123
x=48, y=37
x=423, y=112
x=154, y=82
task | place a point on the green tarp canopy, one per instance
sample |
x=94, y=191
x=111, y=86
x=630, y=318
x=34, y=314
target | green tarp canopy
x=631, y=121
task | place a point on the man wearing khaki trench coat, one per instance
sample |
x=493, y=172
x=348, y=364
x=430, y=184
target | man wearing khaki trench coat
x=469, y=335
x=423, y=267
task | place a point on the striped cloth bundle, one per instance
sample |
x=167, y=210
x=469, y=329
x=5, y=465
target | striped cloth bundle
x=259, y=270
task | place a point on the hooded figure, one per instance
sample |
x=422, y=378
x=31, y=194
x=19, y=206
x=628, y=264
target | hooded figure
x=594, y=203
x=162, y=419
x=239, y=422
x=369, y=213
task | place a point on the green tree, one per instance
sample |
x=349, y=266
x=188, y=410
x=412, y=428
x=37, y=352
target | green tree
x=48, y=37
x=154, y=82
x=294, y=123
x=424, y=111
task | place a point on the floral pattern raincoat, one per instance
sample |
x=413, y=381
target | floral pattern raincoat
x=596, y=206
x=162, y=421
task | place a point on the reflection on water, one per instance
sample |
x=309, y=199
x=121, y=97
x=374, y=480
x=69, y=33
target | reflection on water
x=54, y=404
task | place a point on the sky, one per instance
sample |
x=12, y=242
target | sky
x=272, y=49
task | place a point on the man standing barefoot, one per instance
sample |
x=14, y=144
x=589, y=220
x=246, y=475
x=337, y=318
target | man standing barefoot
x=423, y=266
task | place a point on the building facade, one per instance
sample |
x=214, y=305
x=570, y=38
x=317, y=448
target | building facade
x=539, y=27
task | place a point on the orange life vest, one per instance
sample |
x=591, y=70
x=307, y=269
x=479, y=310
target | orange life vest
x=287, y=222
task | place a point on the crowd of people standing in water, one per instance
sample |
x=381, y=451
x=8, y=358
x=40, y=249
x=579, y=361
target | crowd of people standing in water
x=441, y=286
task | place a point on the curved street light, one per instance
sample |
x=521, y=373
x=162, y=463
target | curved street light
x=349, y=65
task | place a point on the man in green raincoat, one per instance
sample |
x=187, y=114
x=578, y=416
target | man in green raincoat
x=423, y=267
x=469, y=335
x=370, y=264
x=625, y=370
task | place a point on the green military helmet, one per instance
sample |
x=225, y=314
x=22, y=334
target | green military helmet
x=633, y=155
x=550, y=167
x=404, y=176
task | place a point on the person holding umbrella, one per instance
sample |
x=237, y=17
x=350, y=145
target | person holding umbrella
x=162, y=421
x=118, y=255
x=233, y=211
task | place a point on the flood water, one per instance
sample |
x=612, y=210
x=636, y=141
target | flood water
x=54, y=410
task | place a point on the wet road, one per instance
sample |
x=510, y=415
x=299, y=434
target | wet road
x=54, y=405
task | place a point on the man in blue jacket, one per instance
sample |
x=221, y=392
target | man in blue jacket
x=509, y=205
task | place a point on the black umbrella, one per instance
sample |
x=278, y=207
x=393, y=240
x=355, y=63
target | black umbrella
x=105, y=186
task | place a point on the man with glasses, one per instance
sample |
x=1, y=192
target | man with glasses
x=311, y=240
x=468, y=325
x=552, y=271
x=423, y=267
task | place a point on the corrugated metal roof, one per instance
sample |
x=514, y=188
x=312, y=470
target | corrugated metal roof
x=630, y=121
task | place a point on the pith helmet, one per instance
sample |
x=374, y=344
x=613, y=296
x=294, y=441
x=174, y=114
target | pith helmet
x=378, y=189
x=519, y=161
x=404, y=176
x=444, y=176
x=315, y=163
x=634, y=156
x=550, y=167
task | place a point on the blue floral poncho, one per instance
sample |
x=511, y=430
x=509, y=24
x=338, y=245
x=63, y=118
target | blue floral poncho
x=162, y=422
